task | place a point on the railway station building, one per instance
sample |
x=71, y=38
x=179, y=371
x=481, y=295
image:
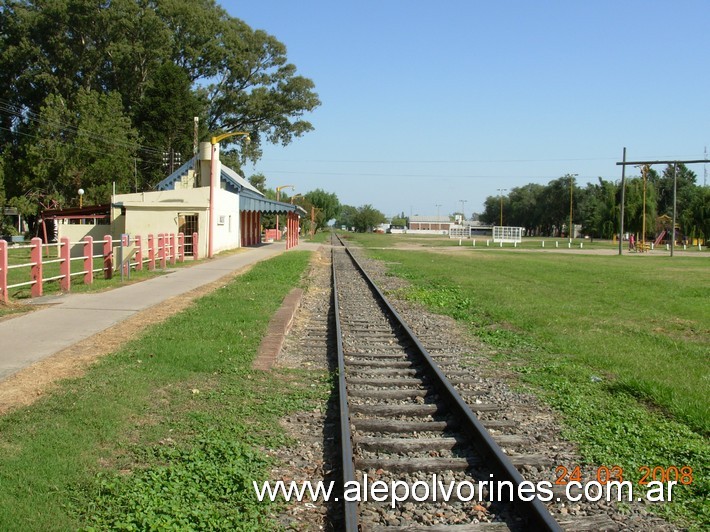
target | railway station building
x=182, y=203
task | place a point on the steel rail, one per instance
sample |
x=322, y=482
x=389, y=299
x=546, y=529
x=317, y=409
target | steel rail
x=346, y=440
x=537, y=515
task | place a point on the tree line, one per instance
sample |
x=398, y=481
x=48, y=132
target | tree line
x=96, y=93
x=544, y=210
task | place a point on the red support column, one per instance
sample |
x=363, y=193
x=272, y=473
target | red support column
x=195, y=248
x=139, y=252
x=3, y=272
x=258, y=227
x=161, y=250
x=151, y=251
x=255, y=229
x=65, y=265
x=88, y=260
x=242, y=229
x=247, y=228
x=173, y=249
x=36, y=270
x=288, y=231
x=252, y=241
x=108, y=257
x=181, y=247
x=295, y=229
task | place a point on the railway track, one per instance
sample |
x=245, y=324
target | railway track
x=405, y=425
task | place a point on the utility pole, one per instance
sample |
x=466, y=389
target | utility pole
x=195, y=147
x=644, y=171
x=621, y=212
x=463, y=215
x=500, y=195
x=571, y=187
x=675, y=191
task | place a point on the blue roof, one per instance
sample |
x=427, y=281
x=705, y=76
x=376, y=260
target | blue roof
x=234, y=182
x=250, y=197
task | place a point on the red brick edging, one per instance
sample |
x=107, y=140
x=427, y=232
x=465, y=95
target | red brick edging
x=278, y=327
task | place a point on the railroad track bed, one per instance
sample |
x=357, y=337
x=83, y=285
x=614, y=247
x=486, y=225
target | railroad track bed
x=401, y=433
x=404, y=431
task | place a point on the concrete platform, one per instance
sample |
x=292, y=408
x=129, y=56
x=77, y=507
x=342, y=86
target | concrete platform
x=71, y=318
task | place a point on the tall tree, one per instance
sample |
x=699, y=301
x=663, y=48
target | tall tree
x=258, y=181
x=347, y=216
x=257, y=90
x=327, y=205
x=699, y=215
x=634, y=211
x=598, y=209
x=88, y=145
x=367, y=218
x=523, y=207
x=663, y=184
x=165, y=120
x=240, y=76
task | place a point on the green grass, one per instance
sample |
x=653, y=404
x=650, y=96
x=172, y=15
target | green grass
x=640, y=324
x=379, y=240
x=167, y=432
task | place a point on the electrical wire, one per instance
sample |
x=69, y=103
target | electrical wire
x=9, y=109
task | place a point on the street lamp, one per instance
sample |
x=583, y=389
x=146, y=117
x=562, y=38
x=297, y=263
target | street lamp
x=278, y=197
x=214, y=141
x=81, y=197
x=500, y=195
x=438, y=221
x=295, y=196
x=463, y=216
x=571, y=185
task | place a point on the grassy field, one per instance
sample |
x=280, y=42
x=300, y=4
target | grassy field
x=166, y=433
x=427, y=241
x=618, y=344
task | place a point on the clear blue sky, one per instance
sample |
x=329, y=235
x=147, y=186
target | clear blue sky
x=427, y=103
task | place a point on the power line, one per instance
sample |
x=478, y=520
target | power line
x=99, y=152
x=425, y=176
x=11, y=110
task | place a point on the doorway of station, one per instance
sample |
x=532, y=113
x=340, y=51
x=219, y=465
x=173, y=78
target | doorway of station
x=188, y=224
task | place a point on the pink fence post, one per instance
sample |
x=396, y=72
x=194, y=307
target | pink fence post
x=139, y=252
x=161, y=250
x=36, y=270
x=126, y=260
x=65, y=265
x=195, y=248
x=173, y=249
x=108, y=257
x=181, y=247
x=151, y=252
x=3, y=272
x=88, y=260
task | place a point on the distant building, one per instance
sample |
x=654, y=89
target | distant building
x=429, y=224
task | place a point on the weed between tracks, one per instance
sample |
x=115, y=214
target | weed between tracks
x=166, y=433
x=618, y=346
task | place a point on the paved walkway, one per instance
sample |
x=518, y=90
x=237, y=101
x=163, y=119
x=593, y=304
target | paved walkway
x=70, y=318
